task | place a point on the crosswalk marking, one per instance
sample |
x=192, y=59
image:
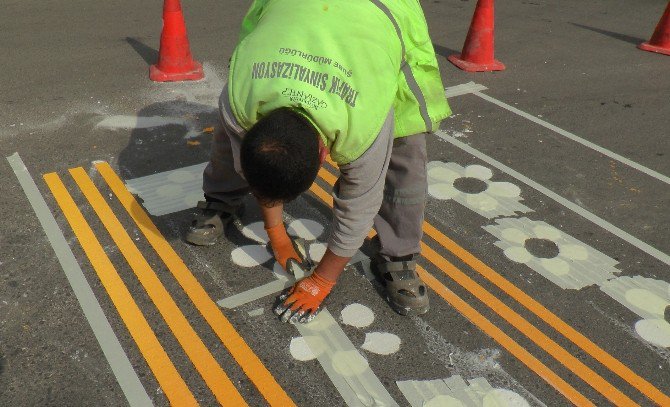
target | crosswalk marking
x=549, y=317
x=582, y=371
x=211, y=372
x=252, y=366
x=168, y=377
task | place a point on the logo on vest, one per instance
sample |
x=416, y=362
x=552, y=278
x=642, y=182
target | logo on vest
x=304, y=98
x=315, y=78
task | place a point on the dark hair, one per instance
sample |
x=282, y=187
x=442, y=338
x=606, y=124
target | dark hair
x=280, y=156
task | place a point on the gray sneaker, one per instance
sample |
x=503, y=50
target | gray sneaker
x=210, y=223
x=404, y=290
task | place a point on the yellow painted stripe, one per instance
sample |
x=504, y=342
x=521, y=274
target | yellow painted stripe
x=259, y=375
x=499, y=336
x=212, y=373
x=538, y=337
x=550, y=318
x=538, y=309
x=494, y=332
x=174, y=387
x=605, y=388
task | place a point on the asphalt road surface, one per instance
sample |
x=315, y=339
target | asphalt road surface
x=547, y=249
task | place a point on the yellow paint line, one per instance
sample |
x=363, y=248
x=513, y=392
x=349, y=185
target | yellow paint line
x=508, y=343
x=550, y=318
x=529, y=330
x=173, y=385
x=252, y=366
x=494, y=332
x=205, y=363
x=554, y=349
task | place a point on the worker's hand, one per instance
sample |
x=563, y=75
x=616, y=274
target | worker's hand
x=282, y=246
x=303, y=301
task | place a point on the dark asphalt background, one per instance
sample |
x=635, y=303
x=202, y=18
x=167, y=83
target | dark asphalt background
x=66, y=65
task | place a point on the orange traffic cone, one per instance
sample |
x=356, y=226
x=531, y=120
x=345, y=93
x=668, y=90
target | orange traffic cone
x=477, y=54
x=660, y=41
x=174, y=58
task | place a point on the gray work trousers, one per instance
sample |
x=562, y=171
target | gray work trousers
x=399, y=222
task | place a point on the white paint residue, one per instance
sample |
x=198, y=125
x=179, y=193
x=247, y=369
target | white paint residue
x=357, y=315
x=647, y=301
x=300, y=350
x=654, y=331
x=169, y=191
x=256, y=231
x=317, y=250
x=250, y=256
x=381, y=343
x=256, y=312
x=279, y=272
x=494, y=199
x=504, y=398
x=182, y=176
x=349, y=363
x=140, y=122
x=191, y=200
x=443, y=401
x=575, y=266
x=305, y=228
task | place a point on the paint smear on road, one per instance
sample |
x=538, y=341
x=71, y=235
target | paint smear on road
x=565, y=261
x=654, y=331
x=346, y=368
x=256, y=312
x=471, y=186
x=455, y=392
x=357, y=315
x=300, y=350
x=649, y=299
x=141, y=122
x=305, y=228
x=381, y=343
x=170, y=191
x=254, y=231
x=250, y=256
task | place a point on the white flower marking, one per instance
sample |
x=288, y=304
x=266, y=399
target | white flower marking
x=359, y=316
x=257, y=254
x=485, y=197
x=649, y=299
x=560, y=258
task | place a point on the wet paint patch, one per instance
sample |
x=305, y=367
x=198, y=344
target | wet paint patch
x=170, y=191
x=649, y=299
x=345, y=366
x=472, y=187
x=455, y=392
x=560, y=258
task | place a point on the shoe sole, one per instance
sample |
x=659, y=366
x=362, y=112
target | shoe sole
x=408, y=311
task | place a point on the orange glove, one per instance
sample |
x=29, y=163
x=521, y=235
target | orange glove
x=281, y=245
x=303, y=301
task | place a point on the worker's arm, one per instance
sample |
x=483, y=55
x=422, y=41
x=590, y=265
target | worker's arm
x=358, y=194
x=357, y=197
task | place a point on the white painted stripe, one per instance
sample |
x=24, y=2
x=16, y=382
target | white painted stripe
x=141, y=122
x=169, y=191
x=463, y=89
x=645, y=247
x=454, y=391
x=344, y=365
x=573, y=137
x=118, y=360
x=255, y=293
